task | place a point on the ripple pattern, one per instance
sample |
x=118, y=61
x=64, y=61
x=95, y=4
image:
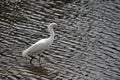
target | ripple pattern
x=86, y=46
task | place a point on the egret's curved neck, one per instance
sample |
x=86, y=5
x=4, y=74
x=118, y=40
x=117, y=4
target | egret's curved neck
x=50, y=29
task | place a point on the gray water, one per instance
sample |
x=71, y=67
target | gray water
x=86, y=46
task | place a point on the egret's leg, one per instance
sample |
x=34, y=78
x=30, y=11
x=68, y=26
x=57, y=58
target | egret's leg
x=39, y=59
x=32, y=57
x=31, y=61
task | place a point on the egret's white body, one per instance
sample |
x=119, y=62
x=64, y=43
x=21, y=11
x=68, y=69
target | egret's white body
x=41, y=44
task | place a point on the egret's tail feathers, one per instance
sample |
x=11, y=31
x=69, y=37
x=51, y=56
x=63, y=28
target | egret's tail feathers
x=24, y=54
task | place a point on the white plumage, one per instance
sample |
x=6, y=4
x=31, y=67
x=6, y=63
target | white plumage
x=41, y=44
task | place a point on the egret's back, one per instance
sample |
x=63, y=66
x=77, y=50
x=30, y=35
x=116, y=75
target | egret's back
x=37, y=47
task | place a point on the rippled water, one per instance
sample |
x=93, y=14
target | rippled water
x=86, y=46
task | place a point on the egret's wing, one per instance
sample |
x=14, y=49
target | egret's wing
x=37, y=46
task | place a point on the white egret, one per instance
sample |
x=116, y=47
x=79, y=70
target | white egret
x=41, y=45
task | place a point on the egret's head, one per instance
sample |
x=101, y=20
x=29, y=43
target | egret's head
x=53, y=25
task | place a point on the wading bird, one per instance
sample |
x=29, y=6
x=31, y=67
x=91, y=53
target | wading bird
x=41, y=45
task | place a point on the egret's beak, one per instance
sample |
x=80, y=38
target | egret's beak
x=56, y=25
